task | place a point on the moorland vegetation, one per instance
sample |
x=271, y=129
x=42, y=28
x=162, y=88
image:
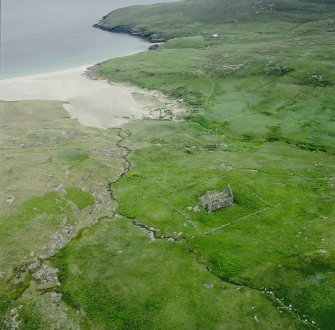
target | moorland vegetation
x=256, y=79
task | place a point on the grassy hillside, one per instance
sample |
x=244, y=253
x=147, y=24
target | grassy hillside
x=54, y=174
x=82, y=249
x=194, y=17
x=262, y=90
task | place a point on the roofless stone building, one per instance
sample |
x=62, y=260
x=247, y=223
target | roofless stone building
x=214, y=200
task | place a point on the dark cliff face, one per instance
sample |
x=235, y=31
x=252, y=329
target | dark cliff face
x=136, y=32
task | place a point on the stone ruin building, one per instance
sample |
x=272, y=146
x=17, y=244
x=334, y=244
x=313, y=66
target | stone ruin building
x=214, y=200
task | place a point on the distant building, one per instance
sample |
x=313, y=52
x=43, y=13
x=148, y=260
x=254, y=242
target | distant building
x=214, y=200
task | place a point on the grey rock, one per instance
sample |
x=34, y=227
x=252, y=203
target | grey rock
x=54, y=296
x=138, y=32
x=33, y=265
x=57, y=240
x=46, y=275
x=154, y=47
x=10, y=200
x=67, y=230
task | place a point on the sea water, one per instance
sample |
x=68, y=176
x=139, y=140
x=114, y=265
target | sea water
x=40, y=36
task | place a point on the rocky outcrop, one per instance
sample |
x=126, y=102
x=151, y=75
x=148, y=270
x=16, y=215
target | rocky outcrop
x=154, y=47
x=136, y=32
x=47, y=275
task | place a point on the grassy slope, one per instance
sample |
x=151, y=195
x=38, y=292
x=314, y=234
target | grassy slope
x=256, y=91
x=44, y=154
x=264, y=91
x=57, y=171
x=147, y=285
x=188, y=17
x=119, y=279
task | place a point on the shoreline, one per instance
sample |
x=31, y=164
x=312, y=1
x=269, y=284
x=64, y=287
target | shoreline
x=141, y=33
x=46, y=74
x=93, y=102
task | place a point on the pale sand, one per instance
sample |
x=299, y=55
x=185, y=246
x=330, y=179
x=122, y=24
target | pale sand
x=94, y=103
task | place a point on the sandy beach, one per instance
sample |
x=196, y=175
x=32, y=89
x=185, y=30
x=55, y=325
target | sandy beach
x=95, y=103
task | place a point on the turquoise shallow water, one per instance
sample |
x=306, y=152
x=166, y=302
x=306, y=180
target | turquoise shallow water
x=39, y=36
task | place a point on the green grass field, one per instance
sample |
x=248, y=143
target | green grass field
x=54, y=175
x=262, y=91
